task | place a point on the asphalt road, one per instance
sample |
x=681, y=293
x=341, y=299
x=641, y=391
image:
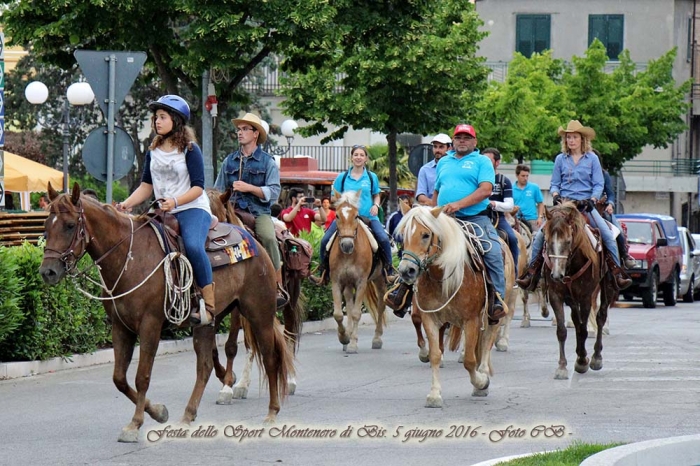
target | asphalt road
x=648, y=388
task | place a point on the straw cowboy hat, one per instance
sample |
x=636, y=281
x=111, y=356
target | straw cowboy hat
x=256, y=123
x=575, y=126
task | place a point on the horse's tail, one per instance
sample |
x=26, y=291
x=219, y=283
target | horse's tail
x=455, y=338
x=294, y=312
x=373, y=301
x=285, y=357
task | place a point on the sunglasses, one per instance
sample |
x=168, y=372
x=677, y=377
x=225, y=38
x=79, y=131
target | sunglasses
x=240, y=130
x=358, y=146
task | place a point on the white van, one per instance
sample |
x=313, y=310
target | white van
x=690, y=270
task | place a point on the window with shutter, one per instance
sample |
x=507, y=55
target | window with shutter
x=532, y=34
x=609, y=29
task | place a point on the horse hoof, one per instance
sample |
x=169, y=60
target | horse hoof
x=377, y=344
x=460, y=359
x=240, y=393
x=344, y=340
x=525, y=324
x=545, y=313
x=591, y=334
x=345, y=347
x=606, y=330
x=442, y=362
x=423, y=355
x=433, y=402
x=225, y=396
x=159, y=413
x=597, y=364
x=569, y=324
x=128, y=436
x=270, y=419
x=291, y=388
x=351, y=349
x=480, y=392
x=501, y=346
x=561, y=374
x=581, y=368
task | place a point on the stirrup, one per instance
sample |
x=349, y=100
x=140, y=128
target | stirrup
x=282, y=296
x=196, y=319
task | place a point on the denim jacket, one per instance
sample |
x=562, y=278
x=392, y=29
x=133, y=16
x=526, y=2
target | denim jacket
x=259, y=170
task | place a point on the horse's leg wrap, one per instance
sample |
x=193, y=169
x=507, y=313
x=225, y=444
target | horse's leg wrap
x=399, y=298
x=531, y=277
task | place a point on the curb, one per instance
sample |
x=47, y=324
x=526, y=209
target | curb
x=15, y=370
x=672, y=450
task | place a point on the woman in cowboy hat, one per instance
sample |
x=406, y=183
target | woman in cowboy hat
x=174, y=171
x=255, y=178
x=577, y=176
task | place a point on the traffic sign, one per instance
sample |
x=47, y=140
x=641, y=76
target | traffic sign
x=95, y=148
x=95, y=66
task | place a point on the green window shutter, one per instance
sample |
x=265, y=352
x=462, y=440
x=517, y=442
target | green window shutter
x=524, y=31
x=616, y=25
x=596, y=29
x=532, y=34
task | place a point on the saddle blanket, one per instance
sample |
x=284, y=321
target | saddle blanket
x=234, y=253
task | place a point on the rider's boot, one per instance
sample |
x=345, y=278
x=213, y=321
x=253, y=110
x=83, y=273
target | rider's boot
x=398, y=297
x=496, y=310
x=627, y=260
x=282, y=295
x=529, y=281
x=205, y=316
x=622, y=281
x=322, y=278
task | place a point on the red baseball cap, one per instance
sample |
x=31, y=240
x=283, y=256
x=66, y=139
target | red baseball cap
x=462, y=128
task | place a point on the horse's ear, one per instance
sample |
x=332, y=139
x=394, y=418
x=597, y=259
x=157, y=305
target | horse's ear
x=75, y=195
x=226, y=195
x=336, y=194
x=547, y=213
x=436, y=211
x=403, y=205
x=53, y=194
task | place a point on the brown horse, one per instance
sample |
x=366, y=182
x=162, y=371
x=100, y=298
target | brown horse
x=573, y=270
x=447, y=288
x=354, y=277
x=79, y=224
x=293, y=313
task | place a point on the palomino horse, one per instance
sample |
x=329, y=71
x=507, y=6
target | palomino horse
x=437, y=261
x=354, y=277
x=572, y=272
x=79, y=224
x=293, y=311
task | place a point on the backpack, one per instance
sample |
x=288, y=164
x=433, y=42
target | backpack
x=371, y=182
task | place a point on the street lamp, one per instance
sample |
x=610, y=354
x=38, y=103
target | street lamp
x=77, y=94
x=288, y=128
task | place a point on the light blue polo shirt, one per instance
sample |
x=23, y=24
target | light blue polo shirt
x=365, y=185
x=457, y=178
x=527, y=199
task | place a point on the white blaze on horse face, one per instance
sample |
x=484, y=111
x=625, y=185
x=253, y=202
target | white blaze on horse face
x=558, y=258
x=345, y=212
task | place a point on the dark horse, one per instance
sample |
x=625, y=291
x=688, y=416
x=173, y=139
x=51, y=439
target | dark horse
x=573, y=273
x=293, y=313
x=79, y=224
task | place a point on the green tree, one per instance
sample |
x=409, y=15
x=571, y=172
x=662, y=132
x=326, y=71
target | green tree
x=629, y=109
x=418, y=75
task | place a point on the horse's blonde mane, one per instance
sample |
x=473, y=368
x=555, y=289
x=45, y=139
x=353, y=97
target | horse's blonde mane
x=453, y=254
x=351, y=197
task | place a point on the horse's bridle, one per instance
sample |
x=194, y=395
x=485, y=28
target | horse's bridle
x=80, y=235
x=427, y=259
x=567, y=280
x=354, y=236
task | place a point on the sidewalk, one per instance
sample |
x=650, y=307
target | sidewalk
x=14, y=370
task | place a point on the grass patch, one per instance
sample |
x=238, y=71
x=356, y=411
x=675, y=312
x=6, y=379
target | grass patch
x=573, y=455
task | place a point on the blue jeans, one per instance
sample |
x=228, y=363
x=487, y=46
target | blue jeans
x=505, y=227
x=597, y=221
x=379, y=234
x=492, y=255
x=194, y=225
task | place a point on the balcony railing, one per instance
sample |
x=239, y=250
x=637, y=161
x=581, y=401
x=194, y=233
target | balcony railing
x=499, y=69
x=337, y=159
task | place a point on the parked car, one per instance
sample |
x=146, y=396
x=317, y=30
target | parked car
x=690, y=271
x=655, y=245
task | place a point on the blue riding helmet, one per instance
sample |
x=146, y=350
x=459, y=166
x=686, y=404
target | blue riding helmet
x=174, y=103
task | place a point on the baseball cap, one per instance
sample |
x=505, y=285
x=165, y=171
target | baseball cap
x=442, y=138
x=462, y=128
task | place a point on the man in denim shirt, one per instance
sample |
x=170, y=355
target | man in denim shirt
x=256, y=189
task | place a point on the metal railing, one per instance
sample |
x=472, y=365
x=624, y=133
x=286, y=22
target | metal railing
x=337, y=159
x=499, y=69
